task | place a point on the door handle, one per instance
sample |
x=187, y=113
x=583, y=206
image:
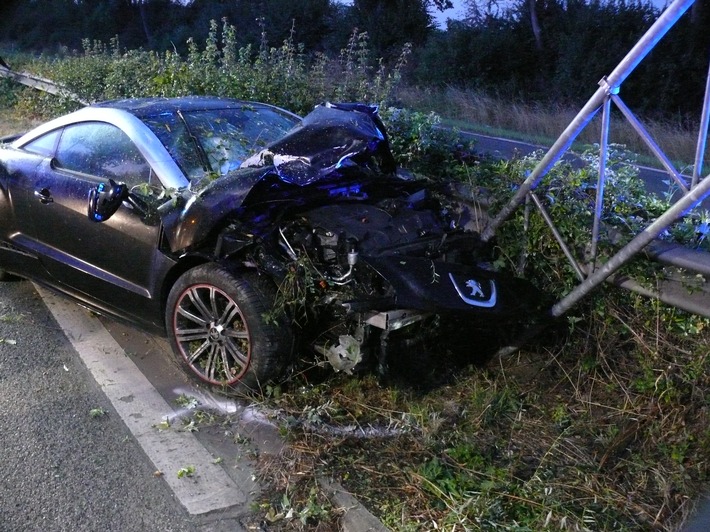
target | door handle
x=44, y=196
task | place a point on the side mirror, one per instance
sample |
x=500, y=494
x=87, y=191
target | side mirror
x=105, y=199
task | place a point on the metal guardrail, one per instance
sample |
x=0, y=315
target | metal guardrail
x=36, y=82
x=675, y=290
x=684, y=285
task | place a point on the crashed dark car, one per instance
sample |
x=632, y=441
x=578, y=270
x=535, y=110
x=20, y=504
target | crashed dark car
x=242, y=231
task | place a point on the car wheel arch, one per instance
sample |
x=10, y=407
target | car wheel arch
x=189, y=262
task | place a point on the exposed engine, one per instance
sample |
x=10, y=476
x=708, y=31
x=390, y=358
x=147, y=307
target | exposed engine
x=340, y=246
x=357, y=250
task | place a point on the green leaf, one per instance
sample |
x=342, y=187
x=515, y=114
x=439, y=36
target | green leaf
x=186, y=471
x=187, y=401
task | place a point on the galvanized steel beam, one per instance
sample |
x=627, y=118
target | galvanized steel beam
x=608, y=86
x=592, y=274
x=702, y=135
x=633, y=248
x=41, y=84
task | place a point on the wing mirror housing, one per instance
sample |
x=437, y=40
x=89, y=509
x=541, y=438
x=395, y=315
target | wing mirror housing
x=105, y=199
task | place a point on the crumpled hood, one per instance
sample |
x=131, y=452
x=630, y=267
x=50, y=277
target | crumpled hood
x=329, y=138
x=332, y=137
x=190, y=219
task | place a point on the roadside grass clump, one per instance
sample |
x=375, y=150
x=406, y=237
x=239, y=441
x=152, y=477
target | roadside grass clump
x=419, y=143
x=542, y=123
x=603, y=429
x=8, y=93
x=13, y=125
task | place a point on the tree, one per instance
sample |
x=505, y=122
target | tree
x=441, y=5
x=7, y=8
x=391, y=24
x=535, y=24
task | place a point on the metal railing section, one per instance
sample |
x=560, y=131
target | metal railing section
x=593, y=274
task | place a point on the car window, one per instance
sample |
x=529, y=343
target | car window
x=45, y=144
x=218, y=140
x=101, y=150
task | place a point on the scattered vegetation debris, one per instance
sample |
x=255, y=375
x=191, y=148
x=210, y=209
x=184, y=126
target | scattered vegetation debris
x=186, y=471
x=187, y=401
x=163, y=425
x=11, y=317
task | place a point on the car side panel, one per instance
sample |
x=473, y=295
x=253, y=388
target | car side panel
x=117, y=262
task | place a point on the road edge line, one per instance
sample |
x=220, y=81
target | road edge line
x=142, y=410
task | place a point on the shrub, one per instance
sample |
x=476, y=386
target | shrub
x=284, y=76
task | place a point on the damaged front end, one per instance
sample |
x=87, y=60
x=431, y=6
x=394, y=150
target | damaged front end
x=394, y=257
x=360, y=254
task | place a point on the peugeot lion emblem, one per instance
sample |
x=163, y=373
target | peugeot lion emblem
x=475, y=286
x=477, y=297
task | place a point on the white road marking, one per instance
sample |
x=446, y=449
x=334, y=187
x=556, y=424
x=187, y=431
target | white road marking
x=142, y=408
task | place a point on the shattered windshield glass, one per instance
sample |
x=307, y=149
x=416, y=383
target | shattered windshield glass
x=214, y=142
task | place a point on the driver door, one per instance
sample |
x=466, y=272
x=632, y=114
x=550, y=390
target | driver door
x=112, y=261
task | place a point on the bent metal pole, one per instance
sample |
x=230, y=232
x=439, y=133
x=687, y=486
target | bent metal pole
x=687, y=202
x=702, y=135
x=608, y=85
x=679, y=209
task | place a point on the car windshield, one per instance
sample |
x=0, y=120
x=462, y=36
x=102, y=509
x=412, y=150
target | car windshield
x=214, y=142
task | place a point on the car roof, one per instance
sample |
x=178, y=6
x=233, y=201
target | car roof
x=143, y=107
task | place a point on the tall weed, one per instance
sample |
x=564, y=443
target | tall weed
x=284, y=76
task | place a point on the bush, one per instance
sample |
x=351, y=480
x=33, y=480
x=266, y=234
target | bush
x=284, y=76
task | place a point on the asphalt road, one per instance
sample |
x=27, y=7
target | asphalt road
x=92, y=434
x=65, y=469
x=656, y=180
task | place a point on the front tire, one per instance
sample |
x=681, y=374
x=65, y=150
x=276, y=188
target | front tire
x=216, y=326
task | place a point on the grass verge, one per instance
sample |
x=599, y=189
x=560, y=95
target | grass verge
x=542, y=124
x=12, y=124
x=601, y=428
